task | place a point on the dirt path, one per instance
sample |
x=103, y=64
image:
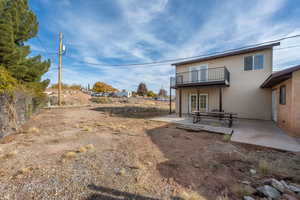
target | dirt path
x=115, y=152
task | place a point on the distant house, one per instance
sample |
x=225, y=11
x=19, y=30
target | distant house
x=285, y=85
x=241, y=82
x=124, y=93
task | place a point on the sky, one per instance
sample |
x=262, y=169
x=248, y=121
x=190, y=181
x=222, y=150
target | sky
x=119, y=32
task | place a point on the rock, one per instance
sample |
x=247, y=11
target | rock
x=295, y=188
x=288, y=197
x=285, y=185
x=246, y=182
x=277, y=185
x=269, y=191
x=248, y=198
x=253, y=171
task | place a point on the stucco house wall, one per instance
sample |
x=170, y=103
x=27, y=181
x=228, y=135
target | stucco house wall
x=244, y=95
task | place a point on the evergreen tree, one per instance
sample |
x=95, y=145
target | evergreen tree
x=17, y=25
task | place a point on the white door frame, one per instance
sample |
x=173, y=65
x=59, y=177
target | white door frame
x=198, y=67
x=190, y=101
x=197, y=100
x=204, y=94
x=274, y=105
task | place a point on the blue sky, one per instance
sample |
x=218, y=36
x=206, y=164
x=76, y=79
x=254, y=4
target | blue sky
x=136, y=31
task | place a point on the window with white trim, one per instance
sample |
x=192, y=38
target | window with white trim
x=254, y=62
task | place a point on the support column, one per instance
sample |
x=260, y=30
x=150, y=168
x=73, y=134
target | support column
x=220, y=99
x=198, y=100
x=180, y=102
x=170, y=100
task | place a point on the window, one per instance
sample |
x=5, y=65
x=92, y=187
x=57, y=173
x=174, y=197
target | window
x=282, y=95
x=254, y=62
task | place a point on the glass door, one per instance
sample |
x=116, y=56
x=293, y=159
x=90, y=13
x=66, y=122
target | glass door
x=193, y=102
x=203, y=101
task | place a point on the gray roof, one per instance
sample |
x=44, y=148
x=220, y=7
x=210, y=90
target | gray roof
x=230, y=53
x=279, y=76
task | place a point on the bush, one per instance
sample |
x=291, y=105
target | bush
x=264, y=167
x=102, y=100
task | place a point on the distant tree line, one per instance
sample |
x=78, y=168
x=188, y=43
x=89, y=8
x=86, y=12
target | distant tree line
x=67, y=87
x=143, y=91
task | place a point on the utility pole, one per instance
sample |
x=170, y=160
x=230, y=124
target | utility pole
x=60, y=52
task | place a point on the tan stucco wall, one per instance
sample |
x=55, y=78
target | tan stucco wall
x=284, y=111
x=296, y=103
x=244, y=96
x=288, y=115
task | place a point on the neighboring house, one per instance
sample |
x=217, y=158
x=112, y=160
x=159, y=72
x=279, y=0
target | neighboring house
x=124, y=93
x=285, y=85
x=227, y=82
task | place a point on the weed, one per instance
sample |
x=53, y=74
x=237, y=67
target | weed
x=242, y=190
x=70, y=154
x=264, y=167
x=82, y=150
x=33, y=130
x=89, y=146
x=190, y=195
x=226, y=138
x=9, y=155
x=88, y=129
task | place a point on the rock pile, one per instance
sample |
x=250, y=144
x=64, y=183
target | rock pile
x=274, y=189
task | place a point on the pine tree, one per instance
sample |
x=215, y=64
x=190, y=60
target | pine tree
x=17, y=25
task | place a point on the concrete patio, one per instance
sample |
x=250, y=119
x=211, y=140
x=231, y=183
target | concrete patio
x=256, y=132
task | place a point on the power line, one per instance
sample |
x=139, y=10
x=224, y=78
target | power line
x=185, y=58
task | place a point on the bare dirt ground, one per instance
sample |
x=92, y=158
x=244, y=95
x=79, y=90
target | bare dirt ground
x=115, y=152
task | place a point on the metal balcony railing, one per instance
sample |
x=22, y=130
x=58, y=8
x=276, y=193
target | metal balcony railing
x=210, y=76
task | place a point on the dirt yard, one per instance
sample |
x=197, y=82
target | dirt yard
x=114, y=152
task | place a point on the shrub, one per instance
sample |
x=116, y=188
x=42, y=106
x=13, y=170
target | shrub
x=7, y=82
x=102, y=100
x=263, y=167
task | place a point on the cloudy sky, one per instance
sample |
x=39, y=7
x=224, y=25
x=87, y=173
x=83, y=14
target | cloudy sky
x=120, y=32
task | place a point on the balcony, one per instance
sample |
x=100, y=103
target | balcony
x=219, y=76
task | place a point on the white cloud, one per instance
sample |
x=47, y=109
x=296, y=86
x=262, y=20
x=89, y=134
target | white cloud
x=130, y=37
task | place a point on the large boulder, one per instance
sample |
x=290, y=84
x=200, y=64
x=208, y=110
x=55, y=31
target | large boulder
x=269, y=192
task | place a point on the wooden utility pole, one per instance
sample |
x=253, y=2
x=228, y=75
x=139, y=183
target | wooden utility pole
x=60, y=51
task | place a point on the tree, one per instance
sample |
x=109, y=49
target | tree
x=151, y=94
x=17, y=25
x=142, y=89
x=162, y=93
x=103, y=87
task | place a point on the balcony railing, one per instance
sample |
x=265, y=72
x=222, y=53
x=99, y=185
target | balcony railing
x=210, y=76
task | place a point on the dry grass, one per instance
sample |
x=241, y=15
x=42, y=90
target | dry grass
x=226, y=138
x=82, y=150
x=70, y=154
x=89, y=146
x=242, y=190
x=190, y=195
x=9, y=155
x=33, y=130
x=87, y=129
x=264, y=167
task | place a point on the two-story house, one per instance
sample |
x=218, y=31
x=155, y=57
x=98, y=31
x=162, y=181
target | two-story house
x=229, y=82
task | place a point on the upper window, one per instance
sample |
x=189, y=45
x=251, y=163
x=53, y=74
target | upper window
x=253, y=62
x=282, y=95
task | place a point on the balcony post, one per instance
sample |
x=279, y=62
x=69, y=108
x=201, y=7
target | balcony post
x=170, y=100
x=220, y=99
x=180, y=101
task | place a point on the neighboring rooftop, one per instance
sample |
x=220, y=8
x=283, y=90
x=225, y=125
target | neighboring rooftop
x=279, y=76
x=230, y=53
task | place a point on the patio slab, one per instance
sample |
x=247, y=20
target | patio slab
x=264, y=133
x=187, y=123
